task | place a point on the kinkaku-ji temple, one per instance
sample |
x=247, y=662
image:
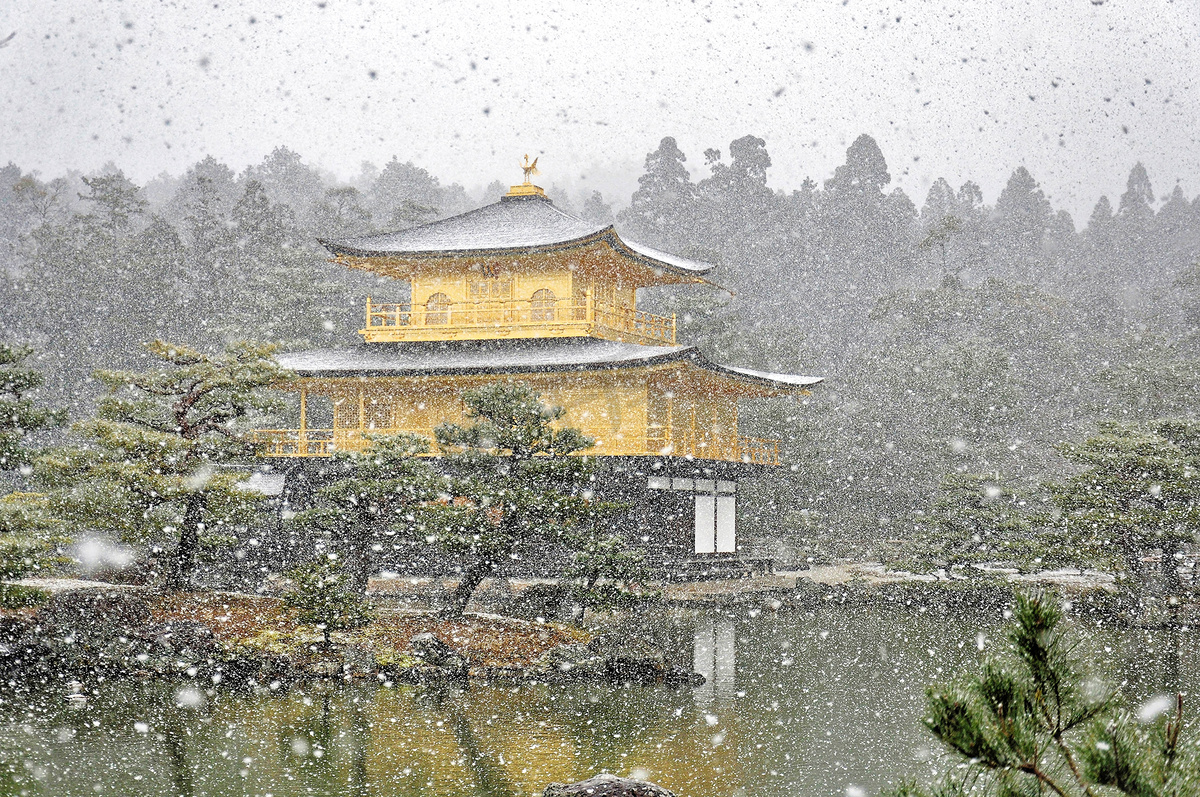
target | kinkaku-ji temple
x=521, y=291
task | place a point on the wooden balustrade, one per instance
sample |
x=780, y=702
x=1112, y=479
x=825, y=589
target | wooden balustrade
x=659, y=442
x=751, y=450
x=396, y=321
x=293, y=442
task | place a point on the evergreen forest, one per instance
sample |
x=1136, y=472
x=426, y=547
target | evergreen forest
x=963, y=342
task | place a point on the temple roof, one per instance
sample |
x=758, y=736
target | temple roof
x=514, y=225
x=509, y=356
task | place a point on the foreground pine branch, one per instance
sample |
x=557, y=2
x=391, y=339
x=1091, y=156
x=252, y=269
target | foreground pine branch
x=1032, y=723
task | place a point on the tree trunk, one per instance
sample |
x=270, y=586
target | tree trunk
x=179, y=575
x=1135, y=576
x=472, y=577
x=357, y=559
x=1169, y=567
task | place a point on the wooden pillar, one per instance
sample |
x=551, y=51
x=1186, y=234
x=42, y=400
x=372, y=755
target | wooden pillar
x=671, y=422
x=692, y=445
x=302, y=437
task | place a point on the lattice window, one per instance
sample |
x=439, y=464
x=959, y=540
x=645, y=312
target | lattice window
x=377, y=414
x=437, y=309
x=542, y=305
x=579, y=299
x=491, y=290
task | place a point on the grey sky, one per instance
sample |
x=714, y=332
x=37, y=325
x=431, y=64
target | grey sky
x=1075, y=90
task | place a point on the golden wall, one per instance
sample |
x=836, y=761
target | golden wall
x=672, y=408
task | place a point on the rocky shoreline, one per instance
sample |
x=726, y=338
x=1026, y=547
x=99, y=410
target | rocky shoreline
x=97, y=632
x=89, y=630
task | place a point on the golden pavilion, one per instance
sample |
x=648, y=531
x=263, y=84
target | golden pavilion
x=520, y=290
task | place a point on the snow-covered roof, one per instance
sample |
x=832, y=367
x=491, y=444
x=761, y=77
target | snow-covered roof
x=504, y=356
x=513, y=356
x=510, y=226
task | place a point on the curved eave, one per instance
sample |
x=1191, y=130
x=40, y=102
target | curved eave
x=784, y=383
x=342, y=249
x=661, y=358
x=655, y=259
x=771, y=383
x=658, y=262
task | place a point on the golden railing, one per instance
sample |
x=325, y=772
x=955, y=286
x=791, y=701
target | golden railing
x=759, y=450
x=395, y=321
x=293, y=442
x=646, y=327
x=752, y=450
x=659, y=442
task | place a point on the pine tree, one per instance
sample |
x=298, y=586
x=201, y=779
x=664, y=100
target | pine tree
x=516, y=484
x=373, y=500
x=19, y=414
x=29, y=536
x=975, y=519
x=116, y=205
x=342, y=214
x=1032, y=722
x=322, y=594
x=607, y=574
x=165, y=452
x=1138, y=492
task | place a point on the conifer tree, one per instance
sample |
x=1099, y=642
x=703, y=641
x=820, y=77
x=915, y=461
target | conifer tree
x=28, y=534
x=165, y=453
x=976, y=518
x=19, y=414
x=516, y=484
x=322, y=595
x=607, y=574
x=373, y=499
x=1032, y=722
x=1138, y=491
x=1021, y=220
x=342, y=214
x=665, y=200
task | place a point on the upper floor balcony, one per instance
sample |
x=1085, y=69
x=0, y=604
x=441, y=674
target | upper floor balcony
x=542, y=316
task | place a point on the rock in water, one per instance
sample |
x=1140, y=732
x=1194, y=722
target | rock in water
x=436, y=653
x=616, y=659
x=606, y=786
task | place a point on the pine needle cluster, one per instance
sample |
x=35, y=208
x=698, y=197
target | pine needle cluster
x=1034, y=723
x=322, y=594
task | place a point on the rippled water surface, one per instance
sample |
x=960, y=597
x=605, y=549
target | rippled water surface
x=796, y=703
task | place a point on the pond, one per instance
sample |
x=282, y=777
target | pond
x=796, y=703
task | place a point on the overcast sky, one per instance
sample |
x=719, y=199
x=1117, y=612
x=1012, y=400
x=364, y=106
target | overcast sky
x=1075, y=90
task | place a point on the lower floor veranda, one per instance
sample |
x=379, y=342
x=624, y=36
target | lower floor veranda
x=672, y=410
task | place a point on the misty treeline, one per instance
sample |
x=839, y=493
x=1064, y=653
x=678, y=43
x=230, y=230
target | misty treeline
x=956, y=337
